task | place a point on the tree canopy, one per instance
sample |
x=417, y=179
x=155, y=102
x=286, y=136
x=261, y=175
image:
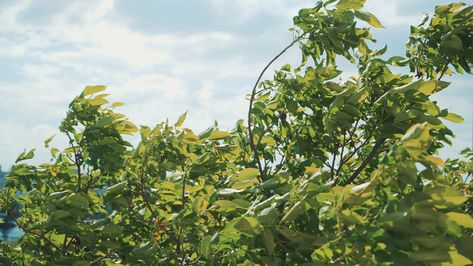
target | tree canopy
x=325, y=169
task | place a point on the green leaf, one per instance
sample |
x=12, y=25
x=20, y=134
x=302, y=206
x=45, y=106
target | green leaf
x=461, y=219
x=428, y=87
x=433, y=255
x=293, y=212
x=181, y=120
x=324, y=253
x=454, y=118
x=199, y=205
x=268, y=240
x=77, y=201
x=114, y=190
x=98, y=101
x=205, y=246
x=268, y=141
x=81, y=263
x=247, y=174
x=369, y=18
x=25, y=155
x=59, y=215
x=248, y=225
x=350, y=4
x=225, y=206
x=88, y=90
x=445, y=196
x=117, y=104
x=206, y=133
x=48, y=140
x=216, y=135
x=286, y=67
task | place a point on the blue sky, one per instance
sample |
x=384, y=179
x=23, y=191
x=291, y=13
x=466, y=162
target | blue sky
x=162, y=58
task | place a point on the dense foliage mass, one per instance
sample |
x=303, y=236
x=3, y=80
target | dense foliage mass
x=326, y=170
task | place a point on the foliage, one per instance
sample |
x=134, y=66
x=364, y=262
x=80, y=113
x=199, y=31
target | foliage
x=327, y=170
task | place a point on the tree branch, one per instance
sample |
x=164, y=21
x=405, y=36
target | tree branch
x=356, y=150
x=36, y=234
x=340, y=163
x=370, y=156
x=250, y=107
x=77, y=161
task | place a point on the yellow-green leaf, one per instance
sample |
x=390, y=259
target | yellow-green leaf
x=436, y=160
x=88, y=90
x=248, y=225
x=54, y=151
x=181, y=120
x=216, y=135
x=200, y=204
x=369, y=18
x=461, y=219
x=373, y=20
x=116, y=104
x=428, y=87
x=443, y=196
x=457, y=259
x=248, y=173
x=454, y=118
x=310, y=170
x=48, y=140
x=98, y=101
x=268, y=141
x=225, y=206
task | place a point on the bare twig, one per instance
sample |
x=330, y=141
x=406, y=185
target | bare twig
x=250, y=108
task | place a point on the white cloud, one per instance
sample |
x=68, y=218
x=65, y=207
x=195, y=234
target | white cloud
x=159, y=76
x=170, y=87
x=247, y=9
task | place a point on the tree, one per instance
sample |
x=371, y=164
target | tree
x=325, y=170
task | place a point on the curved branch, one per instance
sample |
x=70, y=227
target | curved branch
x=250, y=108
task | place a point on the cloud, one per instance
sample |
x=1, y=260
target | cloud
x=49, y=51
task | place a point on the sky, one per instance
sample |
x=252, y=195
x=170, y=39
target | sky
x=163, y=58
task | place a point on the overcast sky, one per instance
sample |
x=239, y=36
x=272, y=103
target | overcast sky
x=162, y=58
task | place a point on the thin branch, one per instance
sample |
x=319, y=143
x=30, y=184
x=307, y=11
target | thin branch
x=281, y=164
x=262, y=134
x=370, y=156
x=444, y=70
x=77, y=161
x=36, y=234
x=250, y=107
x=326, y=164
x=332, y=167
x=144, y=194
x=356, y=150
x=64, y=244
x=340, y=163
x=183, y=199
